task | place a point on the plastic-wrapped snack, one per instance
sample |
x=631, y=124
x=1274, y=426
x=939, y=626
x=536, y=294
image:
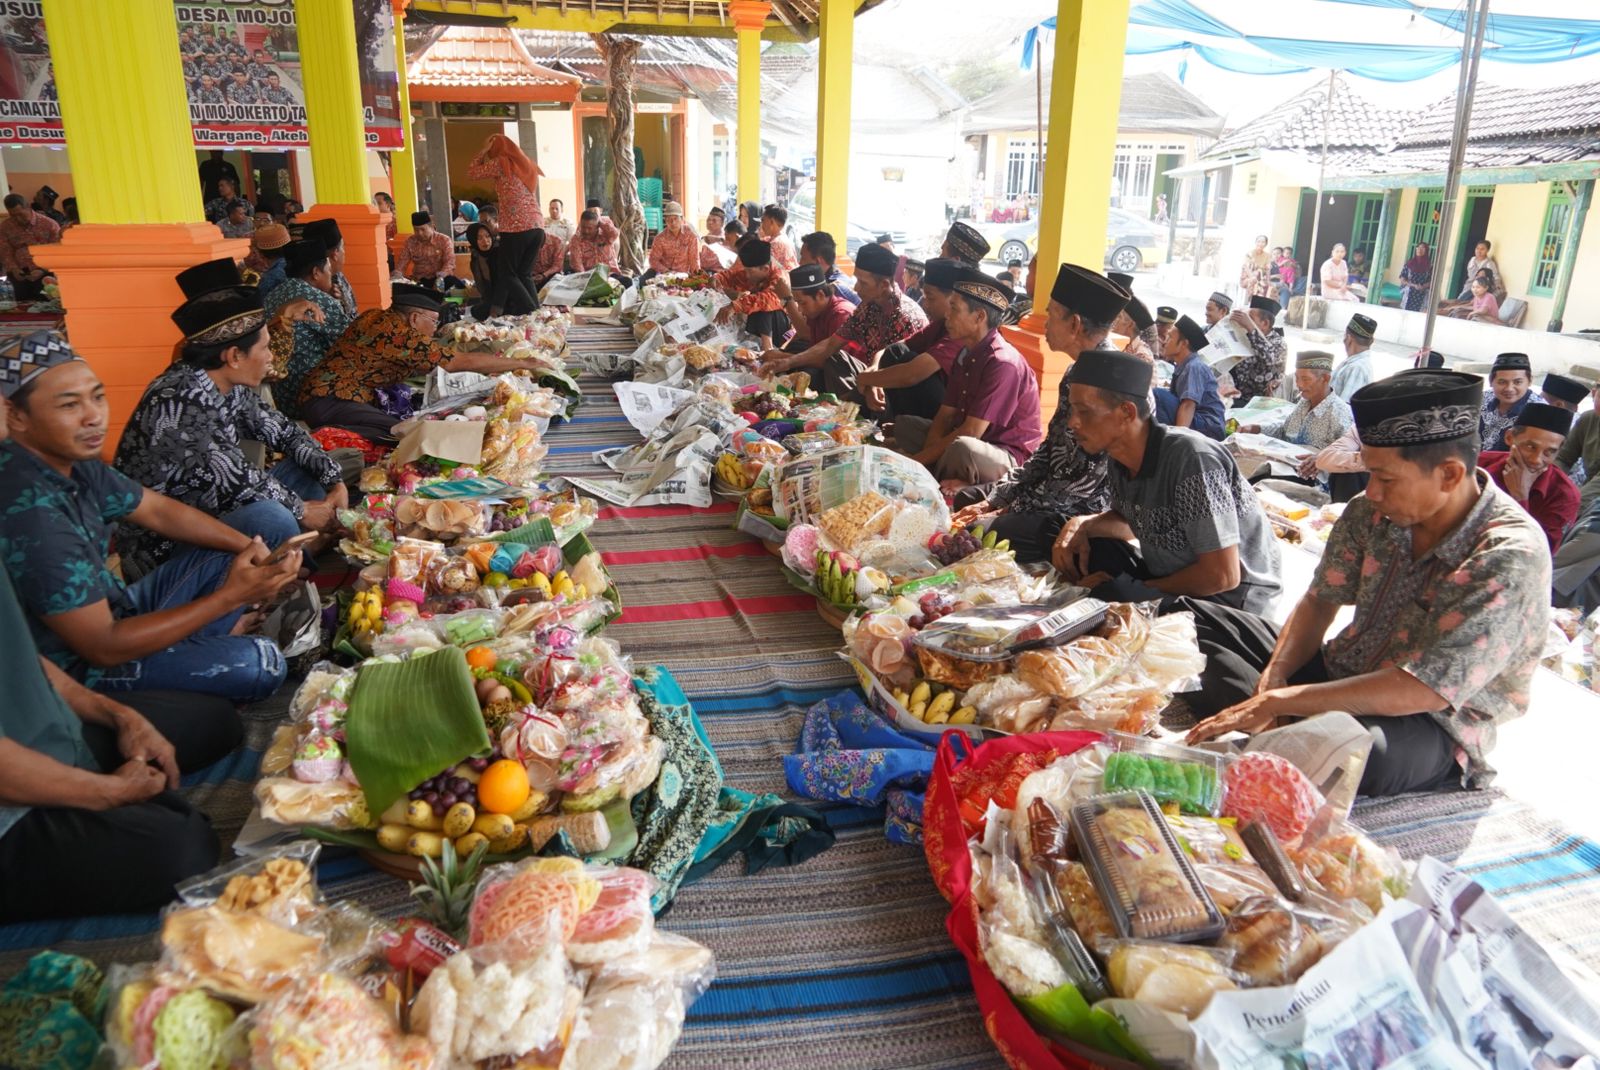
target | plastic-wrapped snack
x=328, y=1020
x=238, y=955
x=1008, y=704
x=863, y=517
x=986, y=566
x=1270, y=856
x=277, y=885
x=1274, y=944
x=1142, y=873
x=1175, y=978
x=1171, y=655
x=1170, y=773
x=410, y=560
x=1344, y=863
x=1090, y=919
x=537, y=901
x=1127, y=627
x=634, y=1008
x=151, y=1025
x=879, y=640
x=803, y=442
x=1226, y=868
x=484, y=1005
x=1073, y=669
x=619, y=922
x=958, y=672
x=1271, y=789
x=1127, y=703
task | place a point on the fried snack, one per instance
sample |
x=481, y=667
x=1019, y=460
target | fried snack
x=701, y=358
x=1274, y=945
x=1090, y=919
x=863, y=517
x=1147, y=884
x=959, y=673
x=280, y=879
x=1169, y=976
x=1070, y=670
x=241, y=956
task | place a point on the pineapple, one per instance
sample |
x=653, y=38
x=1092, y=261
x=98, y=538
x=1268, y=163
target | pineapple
x=447, y=888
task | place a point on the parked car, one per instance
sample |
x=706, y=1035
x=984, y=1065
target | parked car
x=1131, y=241
x=803, y=220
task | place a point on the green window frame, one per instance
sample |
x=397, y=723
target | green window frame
x=1425, y=221
x=1369, y=213
x=1552, y=246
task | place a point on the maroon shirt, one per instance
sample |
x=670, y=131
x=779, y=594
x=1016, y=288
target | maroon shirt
x=935, y=341
x=827, y=323
x=992, y=382
x=1552, y=500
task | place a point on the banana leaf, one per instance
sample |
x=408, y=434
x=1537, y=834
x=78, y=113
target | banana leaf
x=410, y=719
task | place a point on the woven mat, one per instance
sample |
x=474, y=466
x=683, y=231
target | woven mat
x=843, y=961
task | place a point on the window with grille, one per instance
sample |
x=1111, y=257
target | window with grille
x=1022, y=171
x=1425, y=221
x=1369, y=215
x=1552, y=242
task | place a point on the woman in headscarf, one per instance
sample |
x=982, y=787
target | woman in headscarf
x=485, y=252
x=1255, y=278
x=516, y=182
x=1416, y=276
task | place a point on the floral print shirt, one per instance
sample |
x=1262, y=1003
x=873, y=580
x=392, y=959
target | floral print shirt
x=55, y=541
x=676, y=252
x=430, y=257
x=551, y=252
x=872, y=327
x=1261, y=373
x=378, y=349
x=15, y=239
x=586, y=254
x=183, y=440
x=1059, y=478
x=519, y=206
x=296, y=352
x=1314, y=428
x=1468, y=618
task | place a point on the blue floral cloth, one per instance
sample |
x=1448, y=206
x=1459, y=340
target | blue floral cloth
x=849, y=754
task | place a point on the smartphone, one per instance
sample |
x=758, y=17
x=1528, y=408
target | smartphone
x=293, y=542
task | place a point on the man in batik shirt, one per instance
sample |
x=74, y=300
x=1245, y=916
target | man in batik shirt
x=1511, y=391
x=885, y=316
x=677, y=247
x=1261, y=373
x=1450, y=580
x=427, y=255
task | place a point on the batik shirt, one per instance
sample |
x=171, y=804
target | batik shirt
x=217, y=208
x=1493, y=424
x=1188, y=498
x=275, y=275
x=242, y=229
x=676, y=252
x=1468, y=619
x=1315, y=429
x=430, y=257
x=345, y=293
x=17, y=238
x=55, y=539
x=872, y=327
x=1059, y=478
x=209, y=96
x=295, y=355
x=1261, y=372
x=586, y=254
x=783, y=256
x=242, y=93
x=551, y=253
x=519, y=208
x=378, y=349
x=276, y=94
x=183, y=440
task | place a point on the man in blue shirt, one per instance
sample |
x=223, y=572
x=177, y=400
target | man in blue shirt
x=1193, y=401
x=175, y=627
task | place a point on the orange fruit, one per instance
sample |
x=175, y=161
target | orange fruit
x=503, y=787
x=481, y=657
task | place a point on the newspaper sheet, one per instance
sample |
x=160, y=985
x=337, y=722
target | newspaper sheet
x=647, y=404
x=672, y=471
x=1227, y=346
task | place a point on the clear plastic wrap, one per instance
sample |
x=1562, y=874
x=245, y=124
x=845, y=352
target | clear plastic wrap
x=151, y=1026
x=532, y=903
x=1177, y=978
x=326, y=1020
x=1126, y=703
x=1340, y=861
x=1073, y=669
x=879, y=641
x=1171, y=773
x=237, y=955
x=635, y=1005
x=1270, y=789
x=1010, y=705
x=495, y=1003
x=1273, y=944
x=1142, y=873
x=619, y=923
x=277, y=884
x=439, y=520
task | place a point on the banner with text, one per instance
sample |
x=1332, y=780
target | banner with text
x=241, y=67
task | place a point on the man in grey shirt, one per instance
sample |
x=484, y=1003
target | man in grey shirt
x=1200, y=528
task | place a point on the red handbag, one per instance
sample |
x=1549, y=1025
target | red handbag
x=962, y=774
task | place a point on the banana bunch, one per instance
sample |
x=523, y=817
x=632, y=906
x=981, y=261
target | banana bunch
x=731, y=469
x=412, y=827
x=834, y=582
x=934, y=703
x=990, y=539
x=366, y=612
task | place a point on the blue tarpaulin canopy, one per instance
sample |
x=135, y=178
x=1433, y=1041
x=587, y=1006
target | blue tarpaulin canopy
x=1229, y=43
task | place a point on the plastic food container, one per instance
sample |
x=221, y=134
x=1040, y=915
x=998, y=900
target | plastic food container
x=1148, y=886
x=995, y=633
x=1185, y=776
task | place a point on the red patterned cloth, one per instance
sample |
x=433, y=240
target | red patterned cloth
x=337, y=438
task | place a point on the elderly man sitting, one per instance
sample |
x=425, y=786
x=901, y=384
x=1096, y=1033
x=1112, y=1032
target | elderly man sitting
x=989, y=420
x=1450, y=584
x=427, y=255
x=1315, y=421
x=1527, y=469
x=1356, y=370
x=677, y=247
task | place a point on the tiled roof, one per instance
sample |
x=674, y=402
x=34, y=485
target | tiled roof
x=796, y=16
x=481, y=57
x=1297, y=123
x=1149, y=102
x=1500, y=111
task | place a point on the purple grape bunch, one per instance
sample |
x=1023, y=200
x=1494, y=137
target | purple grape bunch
x=933, y=605
x=955, y=545
x=443, y=791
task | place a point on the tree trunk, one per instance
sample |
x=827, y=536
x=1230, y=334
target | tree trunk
x=628, y=214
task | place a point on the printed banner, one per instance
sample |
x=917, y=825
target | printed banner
x=241, y=64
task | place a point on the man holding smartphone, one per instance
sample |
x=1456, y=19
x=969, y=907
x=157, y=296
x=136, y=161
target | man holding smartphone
x=178, y=627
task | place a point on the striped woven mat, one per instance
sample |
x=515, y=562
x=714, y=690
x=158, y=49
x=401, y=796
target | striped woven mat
x=843, y=961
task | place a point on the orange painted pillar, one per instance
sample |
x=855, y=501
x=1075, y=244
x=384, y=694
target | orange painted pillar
x=337, y=131
x=126, y=117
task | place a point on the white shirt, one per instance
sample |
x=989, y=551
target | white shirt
x=1352, y=374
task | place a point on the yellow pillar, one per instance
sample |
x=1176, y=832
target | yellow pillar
x=402, y=164
x=125, y=114
x=337, y=131
x=1085, y=92
x=749, y=16
x=1081, y=141
x=836, y=21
